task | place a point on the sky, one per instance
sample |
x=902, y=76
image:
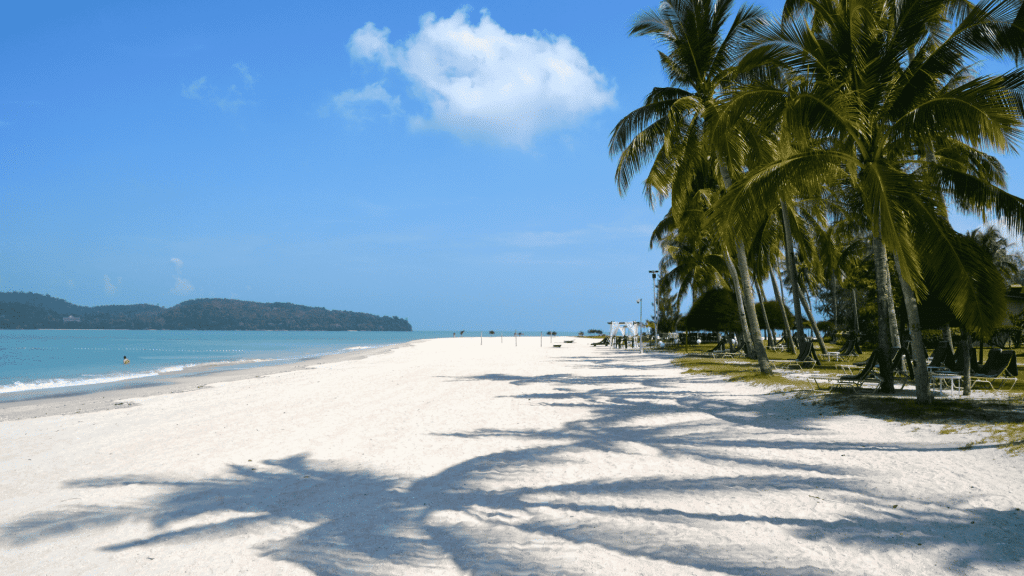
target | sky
x=438, y=161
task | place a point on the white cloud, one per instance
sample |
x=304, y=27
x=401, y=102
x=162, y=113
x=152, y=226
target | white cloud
x=181, y=287
x=228, y=100
x=349, y=100
x=546, y=239
x=244, y=71
x=194, y=90
x=108, y=286
x=482, y=82
x=371, y=43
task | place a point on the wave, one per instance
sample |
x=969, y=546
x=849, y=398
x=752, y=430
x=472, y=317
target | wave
x=89, y=380
x=66, y=383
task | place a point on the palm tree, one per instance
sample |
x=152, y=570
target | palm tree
x=997, y=246
x=689, y=264
x=888, y=85
x=671, y=130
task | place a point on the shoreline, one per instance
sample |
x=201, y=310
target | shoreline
x=73, y=402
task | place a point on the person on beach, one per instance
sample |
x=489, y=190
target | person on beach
x=126, y=360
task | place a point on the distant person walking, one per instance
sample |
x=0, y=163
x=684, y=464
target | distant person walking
x=126, y=360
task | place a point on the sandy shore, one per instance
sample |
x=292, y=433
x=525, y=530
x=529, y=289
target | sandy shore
x=79, y=403
x=451, y=457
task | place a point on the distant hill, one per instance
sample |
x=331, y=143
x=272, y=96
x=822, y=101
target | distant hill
x=26, y=310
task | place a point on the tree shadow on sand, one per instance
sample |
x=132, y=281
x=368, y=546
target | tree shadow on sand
x=514, y=512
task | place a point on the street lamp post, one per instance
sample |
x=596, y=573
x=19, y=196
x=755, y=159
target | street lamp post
x=641, y=303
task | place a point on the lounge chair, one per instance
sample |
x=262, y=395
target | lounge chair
x=850, y=348
x=864, y=375
x=955, y=363
x=736, y=350
x=807, y=358
x=602, y=342
x=1001, y=367
x=939, y=356
x=719, y=349
x=868, y=374
x=898, y=366
x=854, y=380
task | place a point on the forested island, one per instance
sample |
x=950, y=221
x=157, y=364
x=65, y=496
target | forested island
x=28, y=310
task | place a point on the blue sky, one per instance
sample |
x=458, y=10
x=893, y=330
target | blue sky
x=438, y=161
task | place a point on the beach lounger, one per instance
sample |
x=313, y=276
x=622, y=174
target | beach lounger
x=852, y=380
x=955, y=362
x=850, y=348
x=867, y=374
x=719, y=349
x=939, y=356
x=1001, y=367
x=807, y=358
x=735, y=351
x=898, y=371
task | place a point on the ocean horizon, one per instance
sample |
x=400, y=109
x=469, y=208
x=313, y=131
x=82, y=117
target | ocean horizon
x=48, y=363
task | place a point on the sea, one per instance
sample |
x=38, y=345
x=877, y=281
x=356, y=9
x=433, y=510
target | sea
x=50, y=363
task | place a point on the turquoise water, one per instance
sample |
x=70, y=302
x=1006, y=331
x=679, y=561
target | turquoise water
x=39, y=363
x=47, y=363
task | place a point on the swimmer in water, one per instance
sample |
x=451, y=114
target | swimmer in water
x=126, y=360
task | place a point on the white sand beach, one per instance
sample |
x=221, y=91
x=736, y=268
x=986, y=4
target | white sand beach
x=452, y=457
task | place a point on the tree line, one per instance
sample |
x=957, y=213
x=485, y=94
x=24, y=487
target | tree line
x=26, y=310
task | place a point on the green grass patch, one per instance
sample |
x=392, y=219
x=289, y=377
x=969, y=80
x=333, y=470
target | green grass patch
x=1001, y=421
x=741, y=369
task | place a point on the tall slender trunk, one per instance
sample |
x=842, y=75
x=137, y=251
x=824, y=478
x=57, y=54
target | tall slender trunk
x=737, y=287
x=757, y=346
x=884, y=347
x=810, y=316
x=894, y=326
x=787, y=332
x=835, y=307
x=856, y=312
x=748, y=297
x=922, y=382
x=794, y=286
x=968, y=354
x=764, y=313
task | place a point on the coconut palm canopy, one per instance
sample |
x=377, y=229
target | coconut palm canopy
x=866, y=115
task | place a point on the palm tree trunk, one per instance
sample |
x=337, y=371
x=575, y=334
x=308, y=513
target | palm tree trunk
x=947, y=335
x=968, y=352
x=856, y=312
x=737, y=287
x=787, y=332
x=835, y=307
x=748, y=297
x=810, y=316
x=894, y=326
x=764, y=313
x=884, y=348
x=744, y=281
x=922, y=382
x=794, y=286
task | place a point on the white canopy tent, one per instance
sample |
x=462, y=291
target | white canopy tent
x=627, y=329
